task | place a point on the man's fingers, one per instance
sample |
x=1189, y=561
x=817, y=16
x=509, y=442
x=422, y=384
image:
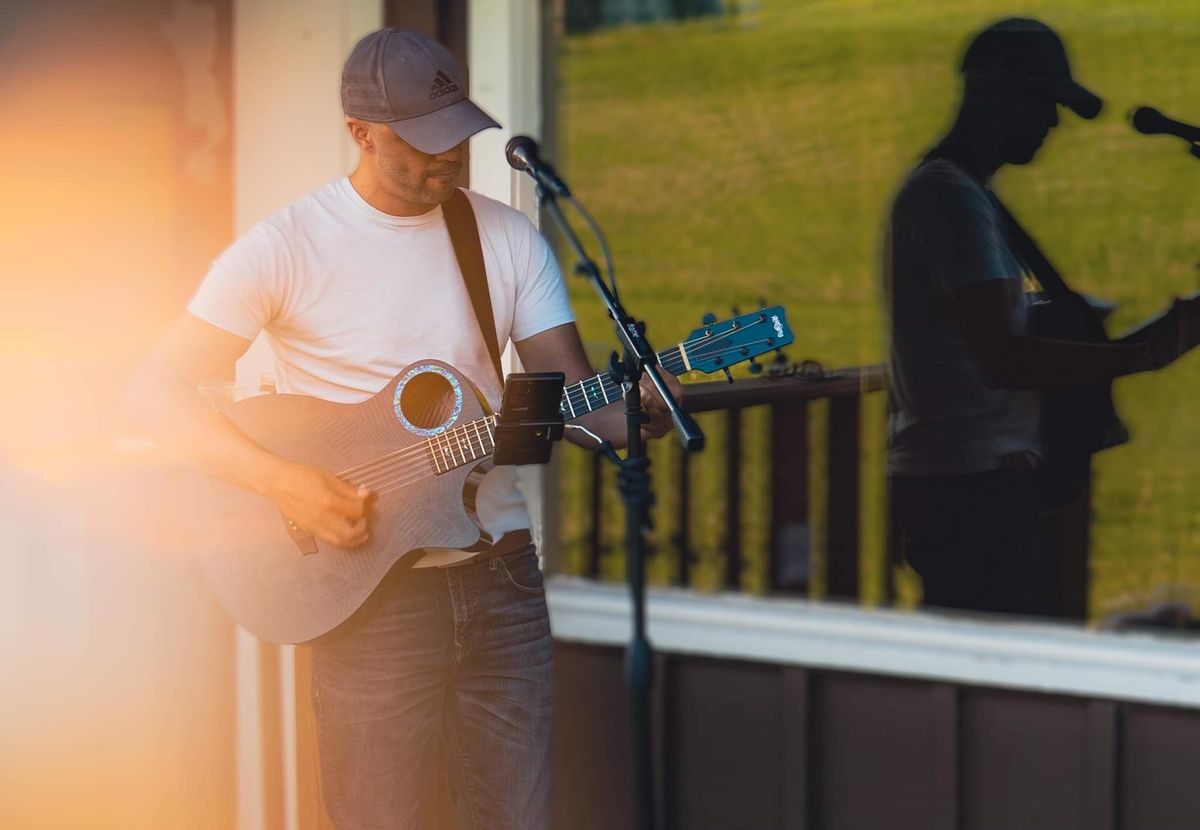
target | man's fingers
x=345, y=534
x=351, y=499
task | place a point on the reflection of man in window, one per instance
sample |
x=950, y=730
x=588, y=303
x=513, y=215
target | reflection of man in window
x=966, y=452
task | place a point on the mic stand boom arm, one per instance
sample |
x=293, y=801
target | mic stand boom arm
x=634, y=483
x=629, y=332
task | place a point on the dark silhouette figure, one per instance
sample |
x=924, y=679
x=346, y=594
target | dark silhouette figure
x=999, y=372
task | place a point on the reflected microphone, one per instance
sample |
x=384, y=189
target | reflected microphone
x=1149, y=121
x=522, y=154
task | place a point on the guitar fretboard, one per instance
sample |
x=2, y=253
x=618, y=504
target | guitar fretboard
x=475, y=440
x=600, y=390
x=463, y=444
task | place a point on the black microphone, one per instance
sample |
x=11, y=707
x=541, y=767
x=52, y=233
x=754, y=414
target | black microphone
x=522, y=154
x=1149, y=121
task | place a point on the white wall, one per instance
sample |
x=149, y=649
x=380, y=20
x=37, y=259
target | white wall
x=289, y=137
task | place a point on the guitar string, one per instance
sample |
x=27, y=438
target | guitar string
x=368, y=474
x=388, y=463
x=440, y=446
x=669, y=354
x=430, y=449
x=431, y=446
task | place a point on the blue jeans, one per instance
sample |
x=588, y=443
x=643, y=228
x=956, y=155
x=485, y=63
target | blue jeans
x=442, y=675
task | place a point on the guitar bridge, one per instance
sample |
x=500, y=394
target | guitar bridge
x=303, y=539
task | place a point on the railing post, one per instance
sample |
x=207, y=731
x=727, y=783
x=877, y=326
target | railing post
x=732, y=542
x=790, y=564
x=842, y=511
x=596, y=504
x=683, y=538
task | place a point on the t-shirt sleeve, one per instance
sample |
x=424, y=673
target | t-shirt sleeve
x=957, y=231
x=244, y=289
x=541, y=301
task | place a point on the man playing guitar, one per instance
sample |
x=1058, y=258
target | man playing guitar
x=973, y=433
x=350, y=284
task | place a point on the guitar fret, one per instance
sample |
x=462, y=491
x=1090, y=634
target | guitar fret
x=433, y=457
x=571, y=405
x=458, y=440
x=603, y=391
x=479, y=438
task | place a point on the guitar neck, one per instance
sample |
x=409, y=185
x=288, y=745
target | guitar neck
x=476, y=440
x=600, y=390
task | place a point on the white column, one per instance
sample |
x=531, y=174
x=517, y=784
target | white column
x=289, y=138
x=504, y=55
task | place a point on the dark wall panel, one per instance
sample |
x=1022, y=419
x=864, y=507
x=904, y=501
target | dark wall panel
x=1161, y=769
x=728, y=746
x=592, y=745
x=877, y=735
x=758, y=747
x=1024, y=762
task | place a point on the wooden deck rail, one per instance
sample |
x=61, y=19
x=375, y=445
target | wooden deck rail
x=788, y=502
x=788, y=497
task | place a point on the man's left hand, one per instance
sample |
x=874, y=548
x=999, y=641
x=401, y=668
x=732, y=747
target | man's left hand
x=660, y=417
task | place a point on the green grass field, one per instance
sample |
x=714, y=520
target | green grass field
x=755, y=154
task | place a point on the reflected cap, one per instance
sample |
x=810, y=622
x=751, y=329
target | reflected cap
x=411, y=82
x=1027, y=52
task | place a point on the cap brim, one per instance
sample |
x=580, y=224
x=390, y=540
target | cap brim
x=1081, y=101
x=443, y=129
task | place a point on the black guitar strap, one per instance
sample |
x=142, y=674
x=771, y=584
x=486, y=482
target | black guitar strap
x=1030, y=254
x=464, y=236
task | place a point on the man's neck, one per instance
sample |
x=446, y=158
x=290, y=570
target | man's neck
x=971, y=149
x=371, y=189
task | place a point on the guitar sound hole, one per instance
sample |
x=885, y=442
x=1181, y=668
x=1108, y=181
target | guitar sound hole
x=427, y=400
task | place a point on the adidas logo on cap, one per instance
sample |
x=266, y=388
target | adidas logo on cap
x=442, y=85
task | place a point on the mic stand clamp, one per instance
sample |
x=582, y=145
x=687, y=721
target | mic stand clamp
x=633, y=479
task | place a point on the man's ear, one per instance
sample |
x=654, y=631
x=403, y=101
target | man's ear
x=360, y=131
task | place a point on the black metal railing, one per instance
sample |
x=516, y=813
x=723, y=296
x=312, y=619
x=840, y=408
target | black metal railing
x=793, y=524
x=788, y=550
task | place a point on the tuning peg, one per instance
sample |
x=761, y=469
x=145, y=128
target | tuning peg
x=708, y=319
x=728, y=374
x=736, y=311
x=754, y=367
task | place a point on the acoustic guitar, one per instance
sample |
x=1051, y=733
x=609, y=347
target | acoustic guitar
x=422, y=445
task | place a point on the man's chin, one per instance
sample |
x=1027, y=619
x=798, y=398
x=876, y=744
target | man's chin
x=438, y=193
x=1024, y=155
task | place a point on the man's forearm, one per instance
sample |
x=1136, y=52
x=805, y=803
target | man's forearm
x=1044, y=363
x=185, y=424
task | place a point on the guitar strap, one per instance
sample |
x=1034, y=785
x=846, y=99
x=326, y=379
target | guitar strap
x=464, y=236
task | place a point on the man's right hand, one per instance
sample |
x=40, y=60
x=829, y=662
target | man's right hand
x=331, y=509
x=1177, y=333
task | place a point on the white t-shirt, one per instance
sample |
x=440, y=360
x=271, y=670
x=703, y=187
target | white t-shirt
x=945, y=418
x=348, y=296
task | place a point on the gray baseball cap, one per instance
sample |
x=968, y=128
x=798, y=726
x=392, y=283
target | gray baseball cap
x=410, y=82
x=1021, y=50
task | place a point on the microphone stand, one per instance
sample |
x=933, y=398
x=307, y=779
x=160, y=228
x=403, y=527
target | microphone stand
x=633, y=479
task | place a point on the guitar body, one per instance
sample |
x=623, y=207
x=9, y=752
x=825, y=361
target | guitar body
x=255, y=563
x=1081, y=420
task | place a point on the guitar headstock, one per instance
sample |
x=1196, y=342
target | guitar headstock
x=718, y=345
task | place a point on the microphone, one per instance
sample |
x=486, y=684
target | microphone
x=1149, y=121
x=522, y=154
